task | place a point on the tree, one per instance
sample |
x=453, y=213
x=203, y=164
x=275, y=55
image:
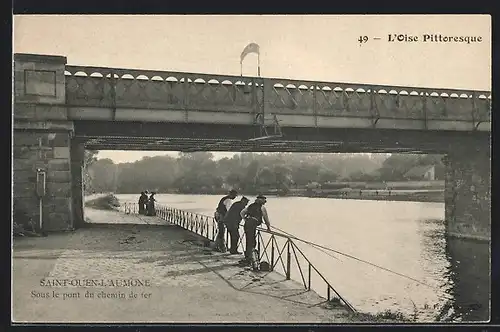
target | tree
x=360, y=176
x=249, y=179
x=305, y=173
x=234, y=180
x=327, y=175
x=104, y=175
x=283, y=178
x=265, y=178
x=88, y=159
x=247, y=172
x=198, y=170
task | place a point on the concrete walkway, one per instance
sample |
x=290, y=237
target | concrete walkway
x=187, y=281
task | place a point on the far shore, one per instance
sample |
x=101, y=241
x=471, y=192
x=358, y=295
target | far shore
x=431, y=196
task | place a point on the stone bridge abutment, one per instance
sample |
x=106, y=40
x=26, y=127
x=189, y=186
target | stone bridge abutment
x=468, y=192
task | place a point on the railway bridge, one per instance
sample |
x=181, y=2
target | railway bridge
x=60, y=110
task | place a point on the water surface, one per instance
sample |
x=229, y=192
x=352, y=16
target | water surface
x=405, y=237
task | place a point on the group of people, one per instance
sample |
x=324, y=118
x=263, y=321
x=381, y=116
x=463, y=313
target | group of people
x=147, y=204
x=229, y=215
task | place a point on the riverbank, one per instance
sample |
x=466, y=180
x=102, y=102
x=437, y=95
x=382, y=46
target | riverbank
x=175, y=280
x=434, y=196
x=429, y=196
x=102, y=202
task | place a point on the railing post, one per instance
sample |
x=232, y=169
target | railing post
x=272, y=252
x=186, y=97
x=424, y=109
x=113, y=92
x=254, y=103
x=258, y=244
x=473, y=113
x=309, y=277
x=345, y=99
x=288, y=260
x=328, y=292
x=373, y=107
x=315, y=107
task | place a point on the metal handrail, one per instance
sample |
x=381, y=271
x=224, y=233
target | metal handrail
x=206, y=226
x=112, y=87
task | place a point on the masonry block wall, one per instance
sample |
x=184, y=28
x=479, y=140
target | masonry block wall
x=49, y=151
x=42, y=137
x=468, y=193
x=39, y=79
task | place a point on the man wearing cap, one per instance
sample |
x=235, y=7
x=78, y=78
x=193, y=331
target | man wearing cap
x=253, y=215
x=220, y=213
x=232, y=222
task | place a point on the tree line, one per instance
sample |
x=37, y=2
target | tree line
x=247, y=172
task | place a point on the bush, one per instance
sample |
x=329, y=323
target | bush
x=23, y=224
x=386, y=316
x=107, y=202
x=393, y=315
x=18, y=229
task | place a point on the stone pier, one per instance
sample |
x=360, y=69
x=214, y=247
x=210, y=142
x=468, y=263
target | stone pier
x=468, y=193
x=42, y=140
x=49, y=151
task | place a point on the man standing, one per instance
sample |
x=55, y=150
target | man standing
x=254, y=214
x=220, y=213
x=232, y=222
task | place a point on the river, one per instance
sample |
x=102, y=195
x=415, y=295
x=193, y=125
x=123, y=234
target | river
x=406, y=237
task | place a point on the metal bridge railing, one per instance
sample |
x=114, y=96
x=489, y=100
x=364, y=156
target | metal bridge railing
x=279, y=250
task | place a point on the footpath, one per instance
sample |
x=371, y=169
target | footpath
x=129, y=269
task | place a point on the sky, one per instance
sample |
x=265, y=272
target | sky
x=312, y=47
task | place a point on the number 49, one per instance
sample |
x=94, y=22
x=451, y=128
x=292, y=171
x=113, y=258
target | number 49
x=363, y=39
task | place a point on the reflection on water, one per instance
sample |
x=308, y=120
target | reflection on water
x=470, y=276
x=405, y=237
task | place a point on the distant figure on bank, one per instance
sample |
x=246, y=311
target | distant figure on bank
x=143, y=199
x=151, y=205
x=253, y=215
x=232, y=222
x=220, y=213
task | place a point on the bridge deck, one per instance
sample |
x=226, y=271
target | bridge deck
x=237, y=99
x=220, y=137
x=165, y=110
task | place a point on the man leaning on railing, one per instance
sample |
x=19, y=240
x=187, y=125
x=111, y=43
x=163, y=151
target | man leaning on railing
x=220, y=212
x=232, y=221
x=253, y=215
